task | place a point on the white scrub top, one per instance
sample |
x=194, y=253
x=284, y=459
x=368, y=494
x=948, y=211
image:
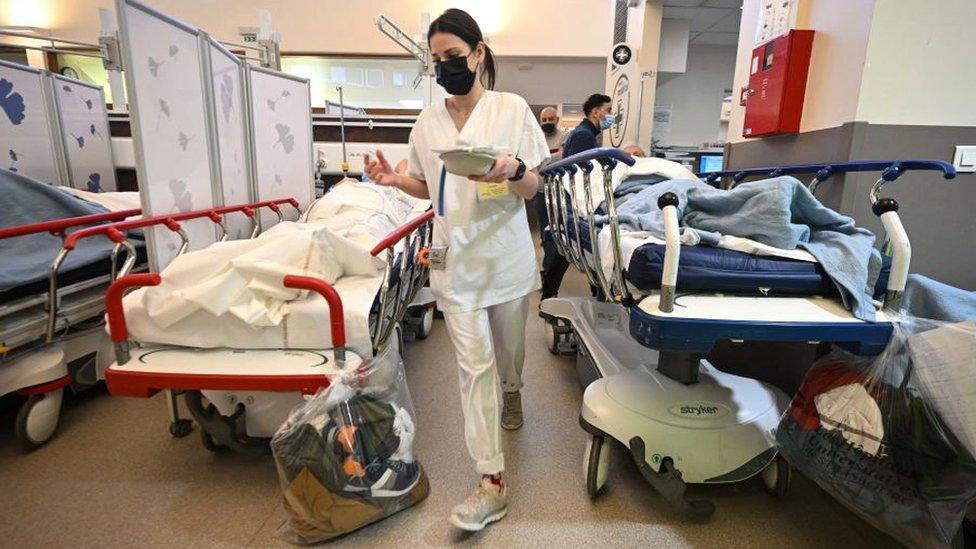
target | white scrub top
x=490, y=257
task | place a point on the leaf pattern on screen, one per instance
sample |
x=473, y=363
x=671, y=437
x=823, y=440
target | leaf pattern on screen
x=66, y=88
x=173, y=50
x=88, y=103
x=278, y=180
x=11, y=102
x=80, y=139
x=273, y=103
x=14, y=157
x=226, y=96
x=285, y=137
x=163, y=111
x=94, y=182
x=183, y=140
x=94, y=131
x=154, y=65
x=182, y=200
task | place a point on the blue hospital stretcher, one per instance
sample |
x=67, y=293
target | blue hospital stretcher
x=641, y=346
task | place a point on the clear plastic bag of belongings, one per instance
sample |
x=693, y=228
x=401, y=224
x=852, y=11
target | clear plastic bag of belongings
x=893, y=437
x=345, y=456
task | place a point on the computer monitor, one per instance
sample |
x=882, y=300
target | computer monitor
x=710, y=163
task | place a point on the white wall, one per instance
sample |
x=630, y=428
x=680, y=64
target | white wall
x=696, y=95
x=515, y=27
x=921, y=64
x=550, y=81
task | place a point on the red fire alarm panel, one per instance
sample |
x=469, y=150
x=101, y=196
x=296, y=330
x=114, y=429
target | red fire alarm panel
x=777, y=82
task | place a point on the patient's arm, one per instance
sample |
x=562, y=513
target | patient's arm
x=382, y=173
x=414, y=187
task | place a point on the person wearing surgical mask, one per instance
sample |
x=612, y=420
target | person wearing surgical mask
x=583, y=138
x=555, y=137
x=482, y=259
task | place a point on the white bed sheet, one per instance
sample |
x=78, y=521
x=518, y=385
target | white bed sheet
x=112, y=201
x=230, y=294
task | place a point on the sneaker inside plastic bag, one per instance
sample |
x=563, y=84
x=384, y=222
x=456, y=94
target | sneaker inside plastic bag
x=345, y=456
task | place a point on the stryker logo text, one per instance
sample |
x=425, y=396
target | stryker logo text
x=699, y=410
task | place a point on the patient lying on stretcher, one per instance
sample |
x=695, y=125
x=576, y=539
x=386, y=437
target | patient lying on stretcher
x=230, y=294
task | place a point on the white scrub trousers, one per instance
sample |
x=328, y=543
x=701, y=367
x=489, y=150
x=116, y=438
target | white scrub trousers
x=490, y=344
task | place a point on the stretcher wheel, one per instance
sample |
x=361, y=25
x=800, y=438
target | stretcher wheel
x=210, y=443
x=426, y=323
x=37, y=419
x=552, y=337
x=776, y=476
x=596, y=463
x=180, y=428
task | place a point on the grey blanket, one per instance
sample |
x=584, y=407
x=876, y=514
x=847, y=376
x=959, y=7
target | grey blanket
x=934, y=300
x=27, y=259
x=779, y=212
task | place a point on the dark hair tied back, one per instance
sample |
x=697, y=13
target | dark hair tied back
x=461, y=24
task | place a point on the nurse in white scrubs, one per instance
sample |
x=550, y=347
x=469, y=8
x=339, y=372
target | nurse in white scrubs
x=483, y=263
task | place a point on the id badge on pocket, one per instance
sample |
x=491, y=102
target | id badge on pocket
x=490, y=191
x=438, y=258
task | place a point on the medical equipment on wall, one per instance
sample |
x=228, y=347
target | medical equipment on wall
x=641, y=350
x=773, y=98
x=342, y=131
x=107, y=47
x=249, y=392
x=417, y=49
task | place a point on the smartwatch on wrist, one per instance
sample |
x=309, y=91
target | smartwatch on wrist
x=519, y=172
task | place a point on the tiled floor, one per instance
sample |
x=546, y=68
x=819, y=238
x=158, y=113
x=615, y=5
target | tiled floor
x=114, y=477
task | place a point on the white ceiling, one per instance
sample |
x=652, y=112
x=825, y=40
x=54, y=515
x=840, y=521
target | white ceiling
x=713, y=22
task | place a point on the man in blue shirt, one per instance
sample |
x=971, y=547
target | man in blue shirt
x=596, y=110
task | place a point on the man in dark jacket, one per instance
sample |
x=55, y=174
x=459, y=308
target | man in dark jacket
x=597, y=115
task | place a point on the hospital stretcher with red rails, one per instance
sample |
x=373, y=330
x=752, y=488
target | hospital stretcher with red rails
x=241, y=396
x=52, y=335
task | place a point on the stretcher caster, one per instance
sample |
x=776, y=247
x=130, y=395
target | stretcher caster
x=210, y=443
x=418, y=322
x=559, y=337
x=426, y=323
x=776, y=476
x=37, y=419
x=180, y=428
x=596, y=464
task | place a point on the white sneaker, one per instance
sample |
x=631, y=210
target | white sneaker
x=487, y=504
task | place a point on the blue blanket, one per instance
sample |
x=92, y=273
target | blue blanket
x=27, y=259
x=932, y=299
x=779, y=212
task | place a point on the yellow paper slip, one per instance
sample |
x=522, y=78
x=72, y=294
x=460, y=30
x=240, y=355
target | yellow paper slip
x=488, y=191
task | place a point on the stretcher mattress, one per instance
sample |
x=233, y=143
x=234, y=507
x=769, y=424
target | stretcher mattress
x=704, y=268
x=707, y=268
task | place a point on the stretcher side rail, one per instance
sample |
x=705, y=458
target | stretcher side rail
x=145, y=384
x=608, y=157
x=60, y=227
x=411, y=275
x=890, y=170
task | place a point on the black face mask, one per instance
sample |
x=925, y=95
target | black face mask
x=455, y=76
x=549, y=127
